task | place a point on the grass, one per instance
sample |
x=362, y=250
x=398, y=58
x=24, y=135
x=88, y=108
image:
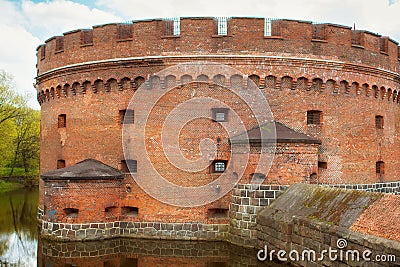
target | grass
x=9, y=186
x=5, y=172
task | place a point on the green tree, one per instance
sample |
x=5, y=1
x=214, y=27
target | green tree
x=11, y=104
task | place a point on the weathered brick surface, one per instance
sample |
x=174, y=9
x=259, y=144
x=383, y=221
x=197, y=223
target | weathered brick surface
x=356, y=84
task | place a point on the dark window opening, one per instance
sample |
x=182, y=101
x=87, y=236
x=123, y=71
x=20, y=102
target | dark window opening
x=218, y=213
x=127, y=116
x=219, y=166
x=380, y=170
x=42, y=52
x=322, y=165
x=124, y=31
x=384, y=44
x=59, y=44
x=319, y=32
x=60, y=164
x=314, y=117
x=129, y=166
x=130, y=211
x=220, y=114
x=379, y=122
x=71, y=212
x=62, y=121
x=172, y=27
x=87, y=37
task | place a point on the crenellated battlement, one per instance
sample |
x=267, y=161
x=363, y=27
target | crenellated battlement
x=209, y=36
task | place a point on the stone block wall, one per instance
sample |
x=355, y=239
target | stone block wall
x=246, y=201
x=154, y=230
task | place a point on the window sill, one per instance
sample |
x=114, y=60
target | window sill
x=84, y=45
x=170, y=36
x=357, y=46
x=274, y=37
x=319, y=40
x=124, y=40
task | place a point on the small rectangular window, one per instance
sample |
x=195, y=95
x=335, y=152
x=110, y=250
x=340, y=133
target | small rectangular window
x=222, y=25
x=62, y=121
x=172, y=27
x=87, y=37
x=322, y=165
x=314, y=117
x=60, y=164
x=127, y=116
x=219, y=166
x=42, y=52
x=220, y=114
x=319, y=32
x=379, y=122
x=384, y=44
x=129, y=166
x=59, y=44
x=125, y=31
x=380, y=167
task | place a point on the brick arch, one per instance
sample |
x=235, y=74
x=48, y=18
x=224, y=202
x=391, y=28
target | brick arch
x=375, y=91
x=98, y=86
x=186, y=79
x=382, y=93
x=286, y=83
x=137, y=82
x=270, y=82
x=355, y=88
x=170, y=81
x=125, y=83
x=75, y=88
x=389, y=94
x=252, y=80
x=344, y=87
x=66, y=89
x=316, y=85
x=366, y=89
x=236, y=81
x=330, y=86
x=219, y=79
x=58, y=91
x=302, y=84
x=154, y=82
x=86, y=86
x=202, y=78
x=47, y=94
x=52, y=92
x=394, y=96
x=111, y=85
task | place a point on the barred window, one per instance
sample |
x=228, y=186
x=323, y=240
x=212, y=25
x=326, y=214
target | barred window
x=220, y=114
x=62, y=121
x=379, y=122
x=222, y=25
x=127, y=116
x=219, y=165
x=172, y=27
x=314, y=117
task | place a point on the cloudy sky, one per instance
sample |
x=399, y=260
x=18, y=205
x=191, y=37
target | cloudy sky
x=25, y=24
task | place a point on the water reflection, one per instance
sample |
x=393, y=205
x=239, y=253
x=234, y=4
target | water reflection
x=18, y=228
x=19, y=245
x=143, y=253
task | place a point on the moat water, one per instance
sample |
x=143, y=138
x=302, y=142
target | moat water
x=20, y=245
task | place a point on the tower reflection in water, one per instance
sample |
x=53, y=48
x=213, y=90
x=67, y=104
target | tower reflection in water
x=143, y=253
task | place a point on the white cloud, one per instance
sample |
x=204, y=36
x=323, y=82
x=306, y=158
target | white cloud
x=24, y=25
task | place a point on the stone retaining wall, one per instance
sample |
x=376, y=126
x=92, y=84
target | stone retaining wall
x=95, y=231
